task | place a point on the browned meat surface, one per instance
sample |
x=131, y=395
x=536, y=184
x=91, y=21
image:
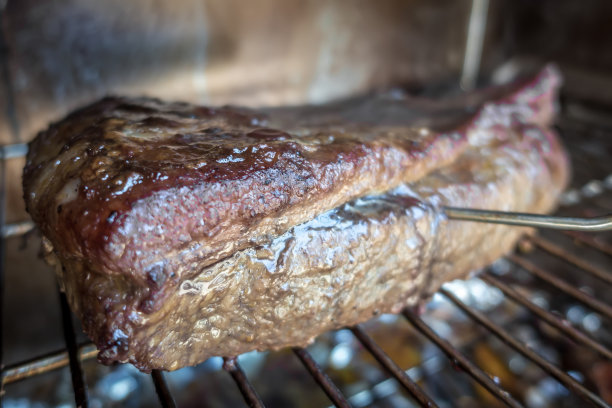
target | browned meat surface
x=182, y=232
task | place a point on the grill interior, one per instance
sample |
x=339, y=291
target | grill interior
x=532, y=330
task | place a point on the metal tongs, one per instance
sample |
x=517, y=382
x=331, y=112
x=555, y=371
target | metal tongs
x=603, y=223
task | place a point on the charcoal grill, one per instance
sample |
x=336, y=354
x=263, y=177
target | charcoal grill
x=586, y=200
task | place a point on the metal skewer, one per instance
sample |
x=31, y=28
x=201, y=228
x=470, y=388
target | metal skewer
x=603, y=223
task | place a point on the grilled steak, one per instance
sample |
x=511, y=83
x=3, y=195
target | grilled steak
x=180, y=232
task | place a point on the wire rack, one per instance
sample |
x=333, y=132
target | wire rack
x=74, y=353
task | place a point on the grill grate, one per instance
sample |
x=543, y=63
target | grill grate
x=2, y=261
x=165, y=397
x=332, y=391
x=78, y=380
x=555, y=372
x=231, y=365
x=460, y=360
x=562, y=285
x=74, y=353
x=546, y=316
x=390, y=365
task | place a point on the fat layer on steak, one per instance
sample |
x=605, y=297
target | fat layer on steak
x=181, y=232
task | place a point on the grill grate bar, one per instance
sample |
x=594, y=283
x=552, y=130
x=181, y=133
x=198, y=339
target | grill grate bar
x=17, y=228
x=460, y=360
x=161, y=388
x=230, y=364
x=562, y=285
x=78, y=381
x=548, y=317
x=570, y=258
x=393, y=369
x=552, y=370
x=328, y=386
x=13, y=151
x=590, y=241
x=2, y=260
x=43, y=364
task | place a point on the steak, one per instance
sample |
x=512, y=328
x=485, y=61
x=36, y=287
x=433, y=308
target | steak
x=180, y=232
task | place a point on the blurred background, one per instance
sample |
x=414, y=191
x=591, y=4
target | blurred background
x=56, y=55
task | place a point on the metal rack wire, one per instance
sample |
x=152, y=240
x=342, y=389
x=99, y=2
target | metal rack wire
x=74, y=353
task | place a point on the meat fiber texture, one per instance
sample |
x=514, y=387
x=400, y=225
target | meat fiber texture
x=181, y=232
